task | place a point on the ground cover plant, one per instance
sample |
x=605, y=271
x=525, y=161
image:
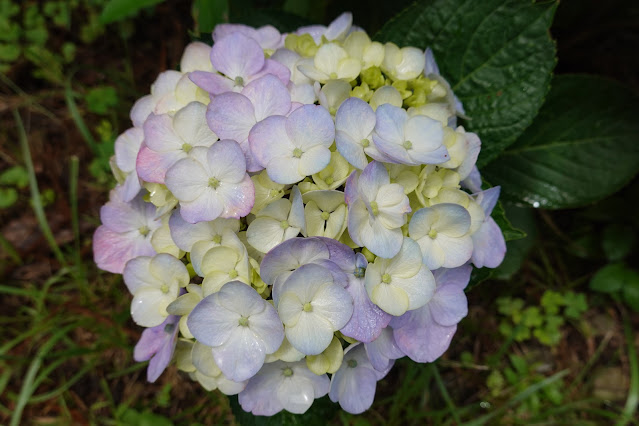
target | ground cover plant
x=549, y=336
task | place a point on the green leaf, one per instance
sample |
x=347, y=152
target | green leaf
x=208, y=13
x=320, y=414
x=581, y=148
x=612, y=278
x=618, y=241
x=631, y=293
x=8, y=197
x=517, y=250
x=101, y=100
x=117, y=10
x=497, y=56
x=509, y=231
x=15, y=176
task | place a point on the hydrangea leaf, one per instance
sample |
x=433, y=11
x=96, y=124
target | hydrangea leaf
x=581, y=148
x=497, y=56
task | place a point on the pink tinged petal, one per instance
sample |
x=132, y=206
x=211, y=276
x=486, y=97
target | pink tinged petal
x=371, y=180
x=268, y=139
x=314, y=160
x=237, y=199
x=188, y=181
x=112, y=250
x=276, y=69
x=383, y=350
x=123, y=217
x=489, y=245
x=368, y=319
x=211, y=82
x=211, y=323
x=127, y=146
x=141, y=110
x=309, y=126
x=231, y=116
x=190, y=124
x=237, y=55
x=148, y=307
x=424, y=342
x=159, y=134
x=311, y=334
x=449, y=305
x=269, y=96
x=151, y=166
x=225, y=161
x=241, y=356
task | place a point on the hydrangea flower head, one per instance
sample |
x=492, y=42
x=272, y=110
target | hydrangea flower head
x=294, y=212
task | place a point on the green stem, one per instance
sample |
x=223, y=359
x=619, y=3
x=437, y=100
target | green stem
x=35, y=193
x=77, y=118
x=633, y=393
x=11, y=251
x=442, y=388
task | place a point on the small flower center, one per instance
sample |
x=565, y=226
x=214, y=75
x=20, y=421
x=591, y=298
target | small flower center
x=352, y=363
x=386, y=279
x=365, y=143
x=284, y=224
x=325, y=215
x=239, y=81
x=186, y=147
x=233, y=274
x=432, y=233
x=408, y=144
x=297, y=153
x=308, y=307
x=214, y=183
x=243, y=321
x=329, y=180
x=374, y=208
x=360, y=272
x=217, y=239
x=287, y=372
x=144, y=231
x=333, y=76
x=165, y=288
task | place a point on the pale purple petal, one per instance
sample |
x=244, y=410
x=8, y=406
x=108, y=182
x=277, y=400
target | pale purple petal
x=488, y=199
x=368, y=319
x=157, y=344
x=383, y=350
x=237, y=55
x=473, y=181
x=127, y=146
x=269, y=96
x=231, y=116
x=489, y=246
x=309, y=126
x=354, y=384
x=152, y=166
x=431, y=66
x=187, y=180
x=226, y=162
x=211, y=82
x=371, y=180
x=241, y=356
x=268, y=139
x=449, y=305
x=211, y=323
x=238, y=199
x=272, y=67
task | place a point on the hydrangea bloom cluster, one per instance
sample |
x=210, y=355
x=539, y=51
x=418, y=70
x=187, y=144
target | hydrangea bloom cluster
x=296, y=211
